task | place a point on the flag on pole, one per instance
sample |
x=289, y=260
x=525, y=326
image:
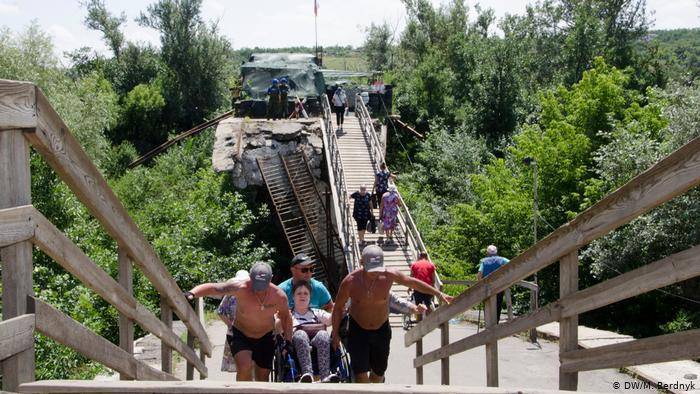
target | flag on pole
x=315, y=7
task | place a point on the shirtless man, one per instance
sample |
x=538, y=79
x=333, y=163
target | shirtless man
x=252, y=343
x=369, y=333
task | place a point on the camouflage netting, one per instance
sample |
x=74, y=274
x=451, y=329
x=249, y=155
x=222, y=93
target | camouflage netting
x=305, y=77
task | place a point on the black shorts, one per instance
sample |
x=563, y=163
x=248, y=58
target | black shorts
x=369, y=349
x=263, y=348
x=361, y=224
x=422, y=298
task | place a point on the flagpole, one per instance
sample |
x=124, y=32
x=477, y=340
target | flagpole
x=316, y=28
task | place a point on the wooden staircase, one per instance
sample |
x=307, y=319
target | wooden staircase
x=303, y=215
x=356, y=154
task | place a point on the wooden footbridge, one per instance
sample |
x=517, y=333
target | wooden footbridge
x=27, y=120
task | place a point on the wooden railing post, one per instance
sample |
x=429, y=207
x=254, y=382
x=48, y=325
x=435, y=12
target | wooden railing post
x=419, y=352
x=568, y=327
x=166, y=352
x=200, y=313
x=509, y=303
x=445, y=362
x=15, y=190
x=534, y=295
x=491, y=318
x=126, y=325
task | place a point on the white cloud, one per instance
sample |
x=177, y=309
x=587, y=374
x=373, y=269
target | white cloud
x=63, y=37
x=134, y=32
x=7, y=8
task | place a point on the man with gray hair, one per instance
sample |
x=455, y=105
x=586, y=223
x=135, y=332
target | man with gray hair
x=488, y=265
x=251, y=340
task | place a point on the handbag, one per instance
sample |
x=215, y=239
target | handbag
x=372, y=224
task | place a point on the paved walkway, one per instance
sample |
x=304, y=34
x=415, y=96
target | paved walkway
x=521, y=364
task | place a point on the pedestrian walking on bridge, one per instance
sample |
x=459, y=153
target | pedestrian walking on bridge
x=340, y=103
x=487, y=266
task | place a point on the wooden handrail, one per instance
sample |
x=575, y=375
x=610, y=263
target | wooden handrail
x=29, y=109
x=61, y=328
x=667, y=179
x=222, y=386
x=16, y=335
x=16, y=225
x=55, y=244
x=65, y=155
x=665, y=272
x=671, y=347
x=26, y=116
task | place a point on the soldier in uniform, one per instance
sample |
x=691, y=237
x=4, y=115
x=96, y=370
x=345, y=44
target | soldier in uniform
x=284, y=90
x=273, y=102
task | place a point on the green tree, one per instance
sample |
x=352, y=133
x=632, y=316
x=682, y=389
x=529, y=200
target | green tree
x=99, y=18
x=378, y=46
x=142, y=111
x=198, y=60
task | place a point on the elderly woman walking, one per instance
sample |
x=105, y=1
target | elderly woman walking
x=362, y=210
x=389, y=209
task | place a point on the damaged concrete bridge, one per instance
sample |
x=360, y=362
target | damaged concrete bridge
x=317, y=219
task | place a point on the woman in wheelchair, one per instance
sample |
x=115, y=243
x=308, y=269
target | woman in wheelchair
x=310, y=332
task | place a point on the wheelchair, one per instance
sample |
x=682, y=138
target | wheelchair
x=285, y=365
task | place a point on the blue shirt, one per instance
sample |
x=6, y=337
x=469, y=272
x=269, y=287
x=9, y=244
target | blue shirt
x=319, y=294
x=489, y=264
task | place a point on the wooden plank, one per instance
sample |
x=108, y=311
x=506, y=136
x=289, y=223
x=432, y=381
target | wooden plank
x=16, y=335
x=166, y=352
x=64, y=330
x=491, y=319
x=665, y=180
x=568, y=341
x=673, y=269
x=671, y=347
x=16, y=225
x=17, y=267
x=55, y=244
x=200, y=314
x=209, y=386
x=189, y=370
x=17, y=105
x=62, y=151
x=445, y=362
x=126, y=325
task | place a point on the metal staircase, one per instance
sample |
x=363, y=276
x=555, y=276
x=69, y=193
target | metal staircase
x=304, y=217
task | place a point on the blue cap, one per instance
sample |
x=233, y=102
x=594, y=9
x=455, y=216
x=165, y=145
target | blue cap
x=283, y=80
x=274, y=81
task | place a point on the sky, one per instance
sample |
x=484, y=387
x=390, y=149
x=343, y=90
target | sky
x=273, y=23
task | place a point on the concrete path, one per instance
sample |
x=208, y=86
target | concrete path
x=521, y=364
x=685, y=372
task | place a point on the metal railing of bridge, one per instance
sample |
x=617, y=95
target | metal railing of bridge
x=339, y=190
x=406, y=224
x=28, y=119
x=670, y=177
